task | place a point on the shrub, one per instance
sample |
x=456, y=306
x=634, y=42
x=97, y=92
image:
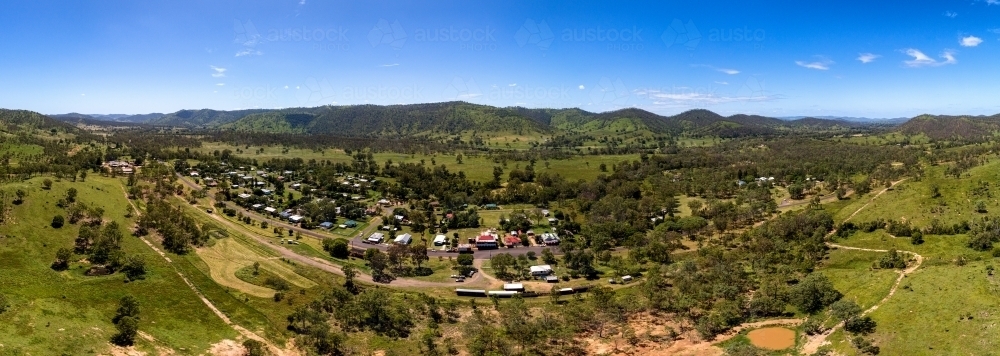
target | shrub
x=58, y=221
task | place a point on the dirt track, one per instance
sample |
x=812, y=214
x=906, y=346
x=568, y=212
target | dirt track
x=813, y=343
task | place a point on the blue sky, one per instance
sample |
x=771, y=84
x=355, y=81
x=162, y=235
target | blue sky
x=760, y=57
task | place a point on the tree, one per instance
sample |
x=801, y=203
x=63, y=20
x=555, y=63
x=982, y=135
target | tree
x=127, y=328
x=917, y=238
x=47, y=184
x=844, y=309
x=814, y=293
x=71, y=195
x=128, y=306
x=254, y=348
x=83, y=175
x=58, y=221
x=502, y=264
x=465, y=259
x=418, y=254
x=548, y=257
x=135, y=267
x=980, y=207
x=62, y=259
x=378, y=262
x=337, y=248
x=20, y=193
x=349, y=274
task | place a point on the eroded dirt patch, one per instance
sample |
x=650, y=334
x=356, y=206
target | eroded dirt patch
x=772, y=338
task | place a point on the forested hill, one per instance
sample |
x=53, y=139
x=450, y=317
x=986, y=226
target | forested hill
x=942, y=127
x=14, y=121
x=449, y=118
x=456, y=117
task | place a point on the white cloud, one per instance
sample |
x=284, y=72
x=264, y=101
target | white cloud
x=922, y=60
x=390, y=65
x=286, y=87
x=220, y=84
x=219, y=72
x=822, y=64
x=512, y=84
x=717, y=69
x=992, y=2
x=867, y=57
x=249, y=52
x=692, y=97
x=722, y=83
x=581, y=87
x=951, y=14
x=970, y=41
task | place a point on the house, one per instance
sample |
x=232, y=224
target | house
x=549, y=239
x=440, y=240
x=127, y=170
x=383, y=201
x=626, y=278
x=566, y=291
x=542, y=270
x=513, y=287
x=266, y=191
x=511, y=241
x=486, y=242
x=491, y=207
x=376, y=238
x=296, y=186
x=193, y=174
x=326, y=225
x=351, y=224
x=257, y=206
x=295, y=219
x=244, y=196
x=270, y=210
x=553, y=221
x=403, y=239
x=545, y=213
x=551, y=279
x=211, y=183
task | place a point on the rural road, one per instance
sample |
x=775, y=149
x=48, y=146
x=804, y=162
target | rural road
x=359, y=240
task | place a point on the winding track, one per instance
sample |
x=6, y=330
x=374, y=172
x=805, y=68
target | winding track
x=813, y=343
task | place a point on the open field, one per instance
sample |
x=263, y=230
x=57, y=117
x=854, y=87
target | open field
x=227, y=256
x=68, y=312
x=476, y=168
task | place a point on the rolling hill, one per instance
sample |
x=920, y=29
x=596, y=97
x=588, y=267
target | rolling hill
x=941, y=127
x=453, y=118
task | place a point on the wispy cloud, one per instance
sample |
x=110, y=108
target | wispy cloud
x=970, y=41
x=821, y=64
x=512, y=84
x=717, y=69
x=220, y=84
x=951, y=14
x=922, y=60
x=249, y=52
x=867, y=57
x=581, y=87
x=992, y=2
x=686, y=97
x=722, y=83
x=390, y=65
x=219, y=71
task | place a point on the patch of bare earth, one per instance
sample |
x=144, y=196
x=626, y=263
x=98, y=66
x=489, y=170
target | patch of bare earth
x=226, y=348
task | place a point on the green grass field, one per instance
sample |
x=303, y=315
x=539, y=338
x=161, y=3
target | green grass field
x=476, y=168
x=68, y=312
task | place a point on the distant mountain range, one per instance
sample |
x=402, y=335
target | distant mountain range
x=108, y=117
x=891, y=121
x=450, y=118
